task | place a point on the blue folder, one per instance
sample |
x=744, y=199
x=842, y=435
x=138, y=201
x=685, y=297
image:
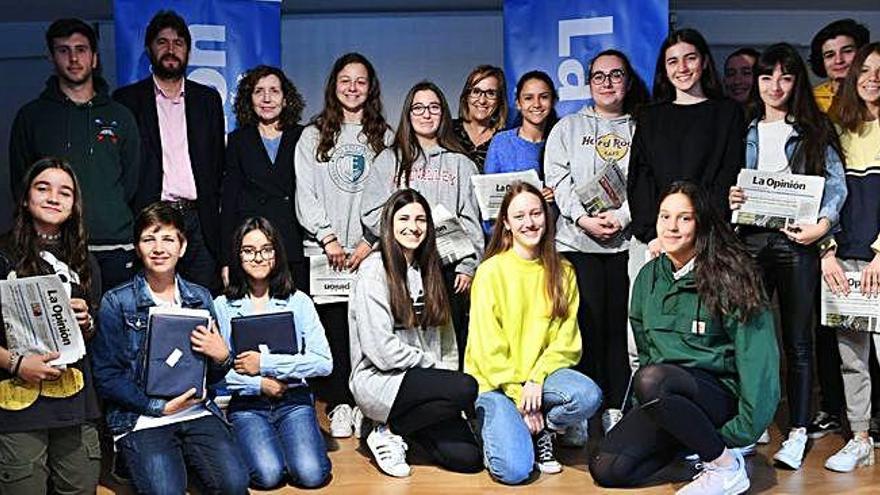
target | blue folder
x=172, y=365
x=274, y=330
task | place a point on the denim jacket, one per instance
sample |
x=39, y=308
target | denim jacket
x=834, y=194
x=119, y=352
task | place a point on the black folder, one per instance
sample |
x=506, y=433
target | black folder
x=172, y=366
x=274, y=330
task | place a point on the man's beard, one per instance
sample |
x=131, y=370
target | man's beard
x=164, y=73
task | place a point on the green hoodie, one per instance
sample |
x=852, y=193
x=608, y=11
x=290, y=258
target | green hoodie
x=743, y=356
x=100, y=140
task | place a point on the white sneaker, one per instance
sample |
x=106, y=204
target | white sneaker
x=610, y=418
x=764, y=439
x=715, y=480
x=340, y=421
x=576, y=435
x=792, y=451
x=389, y=450
x=357, y=421
x=748, y=450
x=544, y=455
x=856, y=453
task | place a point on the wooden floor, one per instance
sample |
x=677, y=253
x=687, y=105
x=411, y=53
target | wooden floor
x=354, y=472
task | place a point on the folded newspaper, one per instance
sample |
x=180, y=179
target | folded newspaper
x=491, y=188
x=452, y=242
x=327, y=285
x=775, y=200
x=39, y=319
x=606, y=190
x=854, y=311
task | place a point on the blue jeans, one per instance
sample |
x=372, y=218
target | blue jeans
x=157, y=458
x=568, y=399
x=281, y=435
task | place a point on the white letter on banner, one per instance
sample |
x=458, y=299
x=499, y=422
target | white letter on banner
x=569, y=29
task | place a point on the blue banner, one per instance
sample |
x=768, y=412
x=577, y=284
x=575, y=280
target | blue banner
x=228, y=38
x=560, y=37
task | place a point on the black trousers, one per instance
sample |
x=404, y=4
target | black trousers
x=198, y=264
x=459, y=306
x=333, y=389
x=792, y=271
x=680, y=410
x=427, y=411
x=603, y=284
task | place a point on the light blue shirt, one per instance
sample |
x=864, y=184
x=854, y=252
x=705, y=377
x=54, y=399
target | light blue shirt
x=313, y=360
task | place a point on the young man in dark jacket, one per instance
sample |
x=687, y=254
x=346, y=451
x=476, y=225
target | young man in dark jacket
x=75, y=119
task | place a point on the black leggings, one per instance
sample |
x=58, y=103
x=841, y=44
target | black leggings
x=680, y=410
x=427, y=411
x=791, y=270
x=459, y=307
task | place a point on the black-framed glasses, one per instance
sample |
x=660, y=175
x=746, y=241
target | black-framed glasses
x=249, y=254
x=419, y=109
x=477, y=93
x=615, y=75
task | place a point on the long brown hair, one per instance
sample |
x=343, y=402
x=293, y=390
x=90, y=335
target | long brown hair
x=727, y=278
x=425, y=258
x=848, y=109
x=329, y=121
x=279, y=278
x=74, y=240
x=502, y=240
x=291, y=109
x=499, y=116
x=406, y=144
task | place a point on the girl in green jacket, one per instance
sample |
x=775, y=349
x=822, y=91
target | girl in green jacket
x=709, y=379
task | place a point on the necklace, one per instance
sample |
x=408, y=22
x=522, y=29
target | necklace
x=49, y=237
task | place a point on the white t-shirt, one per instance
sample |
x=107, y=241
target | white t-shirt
x=771, y=146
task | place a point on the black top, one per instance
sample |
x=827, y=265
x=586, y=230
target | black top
x=205, y=132
x=47, y=412
x=477, y=154
x=254, y=186
x=702, y=143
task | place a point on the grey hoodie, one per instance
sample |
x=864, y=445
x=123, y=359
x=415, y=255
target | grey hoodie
x=442, y=177
x=571, y=158
x=381, y=352
x=328, y=194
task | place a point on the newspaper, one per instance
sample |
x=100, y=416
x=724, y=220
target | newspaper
x=854, y=311
x=327, y=285
x=606, y=190
x=491, y=188
x=39, y=319
x=452, y=242
x=775, y=200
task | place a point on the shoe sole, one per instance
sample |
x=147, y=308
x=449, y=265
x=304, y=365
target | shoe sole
x=378, y=465
x=787, y=463
x=549, y=470
x=739, y=488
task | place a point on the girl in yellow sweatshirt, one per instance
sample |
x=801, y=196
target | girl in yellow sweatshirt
x=523, y=338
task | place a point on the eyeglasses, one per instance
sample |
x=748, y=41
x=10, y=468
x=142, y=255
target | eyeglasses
x=248, y=254
x=616, y=75
x=433, y=109
x=477, y=93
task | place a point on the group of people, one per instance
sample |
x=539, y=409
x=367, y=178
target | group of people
x=489, y=360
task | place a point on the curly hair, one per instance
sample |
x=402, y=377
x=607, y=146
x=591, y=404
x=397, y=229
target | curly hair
x=291, y=109
x=329, y=121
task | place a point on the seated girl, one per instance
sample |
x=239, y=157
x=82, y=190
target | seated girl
x=272, y=409
x=403, y=349
x=157, y=438
x=523, y=340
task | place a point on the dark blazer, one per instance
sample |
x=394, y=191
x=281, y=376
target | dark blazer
x=254, y=186
x=205, y=131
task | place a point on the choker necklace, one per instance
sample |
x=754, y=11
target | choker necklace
x=48, y=237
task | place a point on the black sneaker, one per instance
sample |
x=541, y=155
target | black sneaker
x=823, y=424
x=544, y=452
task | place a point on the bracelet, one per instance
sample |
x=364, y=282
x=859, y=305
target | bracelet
x=13, y=357
x=17, y=367
x=328, y=241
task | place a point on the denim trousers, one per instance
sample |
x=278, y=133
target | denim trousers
x=568, y=398
x=278, y=436
x=157, y=458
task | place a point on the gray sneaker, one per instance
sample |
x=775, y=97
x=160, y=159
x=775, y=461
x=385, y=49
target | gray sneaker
x=715, y=480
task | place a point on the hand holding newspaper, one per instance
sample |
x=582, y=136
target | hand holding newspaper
x=39, y=319
x=606, y=191
x=854, y=311
x=775, y=200
x=452, y=242
x=326, y=284
x=491, y=188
